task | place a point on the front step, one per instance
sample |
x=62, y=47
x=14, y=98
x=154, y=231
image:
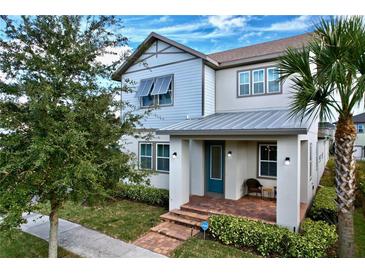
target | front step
x=199, y=210
x=190, y=215
x=171, y=217
x=176, y=231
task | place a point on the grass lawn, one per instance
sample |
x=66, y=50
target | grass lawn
x=125, y=220
x=359, y=226
x=22, y=245
x=196, y=247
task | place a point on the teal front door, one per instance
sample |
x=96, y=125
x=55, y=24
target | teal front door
x=214, y=166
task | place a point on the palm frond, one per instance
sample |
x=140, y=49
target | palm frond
x=310, y=98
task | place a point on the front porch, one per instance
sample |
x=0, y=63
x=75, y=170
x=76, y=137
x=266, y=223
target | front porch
x=219, y=153
x=211, y=173
x=250, y=207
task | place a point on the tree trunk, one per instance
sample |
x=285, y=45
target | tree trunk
x=53, y=230
x=345, y=184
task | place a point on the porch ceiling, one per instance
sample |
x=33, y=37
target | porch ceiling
x=262, y=122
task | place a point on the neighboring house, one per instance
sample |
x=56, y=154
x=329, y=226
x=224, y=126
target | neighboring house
x=223, y=118
x=359, y=121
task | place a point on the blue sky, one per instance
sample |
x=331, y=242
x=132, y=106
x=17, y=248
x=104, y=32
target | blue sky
x=216, y=33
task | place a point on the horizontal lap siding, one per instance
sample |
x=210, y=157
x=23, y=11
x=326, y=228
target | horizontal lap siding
x=226, y=92
x=209, y=90
x=187, y=91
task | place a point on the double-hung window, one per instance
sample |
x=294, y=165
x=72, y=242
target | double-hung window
x=360, y=128
x=267, y=160
x=145, y=155
x=273, y=82
x=163, y=157
x=244, y=83
x=258, y=81
x=156, y=91
x=163, y=90
x=144, y=92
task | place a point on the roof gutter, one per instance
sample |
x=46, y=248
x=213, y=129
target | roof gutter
x=283, y=131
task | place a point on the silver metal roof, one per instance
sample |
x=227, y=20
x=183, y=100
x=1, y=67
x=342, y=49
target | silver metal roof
x=264, y=122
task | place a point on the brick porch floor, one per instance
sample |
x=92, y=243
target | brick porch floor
x=248, y=206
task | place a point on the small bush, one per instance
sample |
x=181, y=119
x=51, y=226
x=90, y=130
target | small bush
x=324, y=206
x=142, y=193
x=271, y=240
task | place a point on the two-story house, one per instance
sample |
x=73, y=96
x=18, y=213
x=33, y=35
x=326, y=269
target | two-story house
x=359, y=149
x=221, y=119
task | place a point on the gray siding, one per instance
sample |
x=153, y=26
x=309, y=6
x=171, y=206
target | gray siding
x=187, y=94
x=209, y=90
x=226, y=92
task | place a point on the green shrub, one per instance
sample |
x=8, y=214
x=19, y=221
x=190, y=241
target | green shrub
x=142, y=193
x=271, y=240
x=324, y=206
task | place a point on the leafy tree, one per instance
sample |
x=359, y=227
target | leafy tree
x=329, y=76
x=60, y=137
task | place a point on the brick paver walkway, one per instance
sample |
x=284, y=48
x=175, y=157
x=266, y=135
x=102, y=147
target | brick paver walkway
x=158, y=243
x=180, y=225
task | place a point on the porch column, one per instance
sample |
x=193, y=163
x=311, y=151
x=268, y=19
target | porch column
x=304, y=182
x=179, y=188
x=197, y=167
x=288, y=183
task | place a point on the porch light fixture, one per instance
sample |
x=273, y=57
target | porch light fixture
x=287, y=161
x=174, y=155
x=229, y=154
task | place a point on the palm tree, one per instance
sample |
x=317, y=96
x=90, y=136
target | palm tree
x=329, y=78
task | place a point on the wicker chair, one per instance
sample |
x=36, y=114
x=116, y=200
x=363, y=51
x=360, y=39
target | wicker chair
x=254, y=186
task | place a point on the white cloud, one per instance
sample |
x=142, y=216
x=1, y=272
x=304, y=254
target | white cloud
x=302, y=22
x=225, y=22
x=114, y=54
x=207, y=27
x=164, y=19
x=248, y=35
x=182, y=27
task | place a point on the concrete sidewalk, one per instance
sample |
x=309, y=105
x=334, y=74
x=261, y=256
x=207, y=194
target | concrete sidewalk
x=82, y=241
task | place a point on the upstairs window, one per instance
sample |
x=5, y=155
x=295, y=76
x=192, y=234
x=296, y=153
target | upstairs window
x=244, y=83
x=273, y=82
x=156, y=91
x=258, y=81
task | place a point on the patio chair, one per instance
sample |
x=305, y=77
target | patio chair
x=253, y=186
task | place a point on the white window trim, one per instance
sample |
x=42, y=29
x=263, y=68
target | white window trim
x=146, y=156
x=267, y=161
x=249, y=83
x=253, y=82
x=162, y=157
x=153, y=102
x=267, y=82
x=156, y=98
x=171, y=95
x=358, y=128
x=210, y=163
